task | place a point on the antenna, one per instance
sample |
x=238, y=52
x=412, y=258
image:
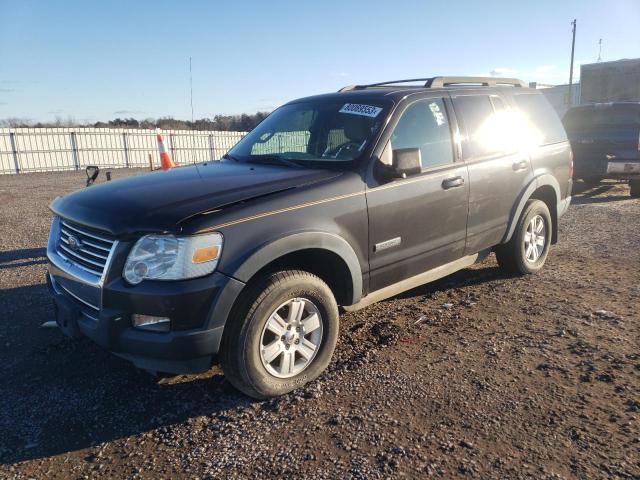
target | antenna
x=599, y=50
x=193, y=135
x=191, y=88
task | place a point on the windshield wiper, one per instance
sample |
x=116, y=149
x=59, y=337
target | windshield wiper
x=274, y=158
x=231, y=157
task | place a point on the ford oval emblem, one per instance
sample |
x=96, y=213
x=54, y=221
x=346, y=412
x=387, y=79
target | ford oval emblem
x=74, y=243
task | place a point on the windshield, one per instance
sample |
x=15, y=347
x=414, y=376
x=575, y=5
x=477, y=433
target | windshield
x=311, y=132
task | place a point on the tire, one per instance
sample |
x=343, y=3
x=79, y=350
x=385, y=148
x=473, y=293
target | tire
x=515, y=256
x=244, y=358
x=634, y=188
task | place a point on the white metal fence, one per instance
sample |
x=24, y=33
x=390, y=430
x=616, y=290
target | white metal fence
x=50, y=149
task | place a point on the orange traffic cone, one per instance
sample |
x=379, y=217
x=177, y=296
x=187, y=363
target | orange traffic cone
x=165, y=159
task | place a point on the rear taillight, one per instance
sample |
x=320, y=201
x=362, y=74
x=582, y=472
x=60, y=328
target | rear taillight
x=639, y=141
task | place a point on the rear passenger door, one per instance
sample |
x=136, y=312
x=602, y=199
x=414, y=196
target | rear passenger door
x=498, y=171
x=419, y=222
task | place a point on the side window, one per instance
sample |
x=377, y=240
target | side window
x=478, y=117
x=542, y=117
x=424, y=125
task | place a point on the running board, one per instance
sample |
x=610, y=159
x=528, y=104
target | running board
x=420, y=279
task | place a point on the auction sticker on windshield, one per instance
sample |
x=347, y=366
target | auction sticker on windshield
x=358, y=109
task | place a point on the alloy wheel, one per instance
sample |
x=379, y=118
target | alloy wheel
x=534, y=239
x=291, y=338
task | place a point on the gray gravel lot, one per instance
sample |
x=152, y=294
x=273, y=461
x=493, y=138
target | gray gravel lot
x=478, y=375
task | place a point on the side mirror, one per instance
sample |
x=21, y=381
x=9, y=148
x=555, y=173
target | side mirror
x=92, y=174
x=406, y=162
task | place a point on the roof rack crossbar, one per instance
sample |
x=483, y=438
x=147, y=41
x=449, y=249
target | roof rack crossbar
x=439, y=82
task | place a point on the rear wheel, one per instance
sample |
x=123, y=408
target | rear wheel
x=284, y=336
x=634, y=188
x=528, y=248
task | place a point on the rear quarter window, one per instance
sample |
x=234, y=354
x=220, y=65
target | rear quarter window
x=542, y=116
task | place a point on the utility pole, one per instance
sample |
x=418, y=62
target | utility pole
x=599, y=50
x=573, y=45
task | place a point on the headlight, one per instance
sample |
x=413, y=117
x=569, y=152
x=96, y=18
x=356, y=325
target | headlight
x=167, y=257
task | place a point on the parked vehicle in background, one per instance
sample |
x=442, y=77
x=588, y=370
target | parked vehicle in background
x=605, y=139
x=339, y=199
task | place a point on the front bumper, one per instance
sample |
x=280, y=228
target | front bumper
x=181, y=351
x=100, y=307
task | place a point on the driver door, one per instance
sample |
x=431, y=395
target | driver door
x=419, y=222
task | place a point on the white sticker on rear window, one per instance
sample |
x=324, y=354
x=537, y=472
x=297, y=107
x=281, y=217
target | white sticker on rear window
x=358, y=109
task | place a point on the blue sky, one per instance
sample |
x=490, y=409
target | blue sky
x=97, y=60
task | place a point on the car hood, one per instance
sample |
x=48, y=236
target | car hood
x=160, y=201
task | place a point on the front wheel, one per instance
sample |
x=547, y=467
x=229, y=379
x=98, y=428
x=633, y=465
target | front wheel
x=284, y=336
x=634, y=188
x=528, y=248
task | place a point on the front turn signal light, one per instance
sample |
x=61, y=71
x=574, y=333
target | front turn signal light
x=205, y=254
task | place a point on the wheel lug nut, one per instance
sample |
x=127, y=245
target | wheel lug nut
x=287, y=346
x=297, y=341
x=288, y=327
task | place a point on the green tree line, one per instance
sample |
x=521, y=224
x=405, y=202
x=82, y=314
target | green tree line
x=228, y=123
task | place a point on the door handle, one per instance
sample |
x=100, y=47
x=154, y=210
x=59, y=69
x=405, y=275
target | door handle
x=452, y=182
x=521, y=165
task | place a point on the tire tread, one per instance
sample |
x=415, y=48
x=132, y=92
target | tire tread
x=230, y=358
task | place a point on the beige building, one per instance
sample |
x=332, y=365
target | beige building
x=617, y=81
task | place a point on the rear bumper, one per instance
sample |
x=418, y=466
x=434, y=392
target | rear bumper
x=177, y=351
x=602, y=166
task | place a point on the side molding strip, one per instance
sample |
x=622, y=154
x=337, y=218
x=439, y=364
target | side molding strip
x=394, y=242
x=417, y=280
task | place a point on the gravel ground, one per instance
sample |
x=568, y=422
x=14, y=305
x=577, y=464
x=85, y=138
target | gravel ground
x=478, y=375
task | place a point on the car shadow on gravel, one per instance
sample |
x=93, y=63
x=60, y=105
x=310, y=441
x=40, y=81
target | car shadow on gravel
x=33, y=256
x=589, y=199
x=580, y=188
x=60, y=395
x=463, y=278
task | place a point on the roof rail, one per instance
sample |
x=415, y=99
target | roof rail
x=482, y=81
x=438, y=82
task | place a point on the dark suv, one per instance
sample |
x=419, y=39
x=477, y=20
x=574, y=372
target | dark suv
x=605, y=139
x=339, y=199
